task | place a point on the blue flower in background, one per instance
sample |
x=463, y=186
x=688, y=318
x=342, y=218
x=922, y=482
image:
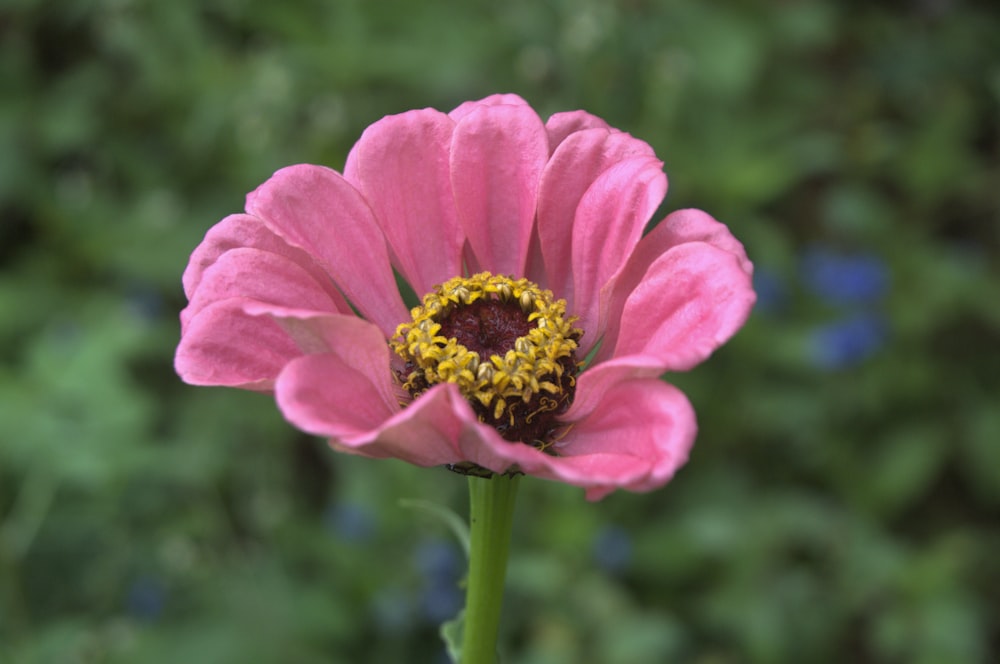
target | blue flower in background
x=146, y=598
x=847, y=342
x=441, y=602
x=854, y=283
x=844, y=278
x=612, y=549
x=440, y=566
x=436, y=558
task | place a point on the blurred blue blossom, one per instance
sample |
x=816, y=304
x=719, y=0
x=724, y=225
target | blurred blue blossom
x=437, y=558
x=350, y=522
x=146, y=598
x=440, y=567
x=844, y=278
x=848, y=341
x=441, y=601
x=612, y=549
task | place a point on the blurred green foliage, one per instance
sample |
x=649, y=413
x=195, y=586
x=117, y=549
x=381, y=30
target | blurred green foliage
x=843, y=500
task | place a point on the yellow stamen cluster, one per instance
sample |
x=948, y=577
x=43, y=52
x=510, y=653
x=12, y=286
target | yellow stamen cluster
x=536, y=364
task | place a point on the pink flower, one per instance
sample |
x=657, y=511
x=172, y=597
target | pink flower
x=547, y=317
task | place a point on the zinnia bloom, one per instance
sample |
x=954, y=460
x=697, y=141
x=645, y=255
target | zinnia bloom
x=546, y=317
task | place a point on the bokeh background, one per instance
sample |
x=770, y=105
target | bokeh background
x=842, y=502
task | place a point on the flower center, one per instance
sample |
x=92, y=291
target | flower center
x=507, y=345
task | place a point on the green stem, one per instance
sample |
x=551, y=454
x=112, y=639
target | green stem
x=491, y=515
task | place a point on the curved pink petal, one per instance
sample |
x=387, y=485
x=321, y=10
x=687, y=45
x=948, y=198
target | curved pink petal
x=678, y=228
x=596, y=381
x=560, y=125
x=483, y=446
x=692, y=225
x=575, y=165
x=438, y=428
x=322, y=395
x=427, y=430
x=224, y=345
x=646, y=420
x=261, y=275
x=608, y=224
x=401, y=165
x=345, y=389
x=359, y=344
x=689, y=302
x=636, y=440
x=497, y=156
x=502, y=99
x=243, y=231
x=316, y=209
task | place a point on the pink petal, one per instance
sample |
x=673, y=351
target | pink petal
x=359, y=344
x=608, y=224
x=697, y=226
x=315, y=209
x=497, y=156
x=401, y=165
x=676, y=229
x=223, y=345
x=576, y=164
x=689, y=302
x=585, y=471
x=322, y=395
x=483, y=446
x=467, y=107
x=636, y=440
x=426, y=432
x=264, y=276
x=598, y=380
x=645, y=421
x=561, y=125
x=242, y=230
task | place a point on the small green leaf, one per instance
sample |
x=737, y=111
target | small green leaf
x=451, y=633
